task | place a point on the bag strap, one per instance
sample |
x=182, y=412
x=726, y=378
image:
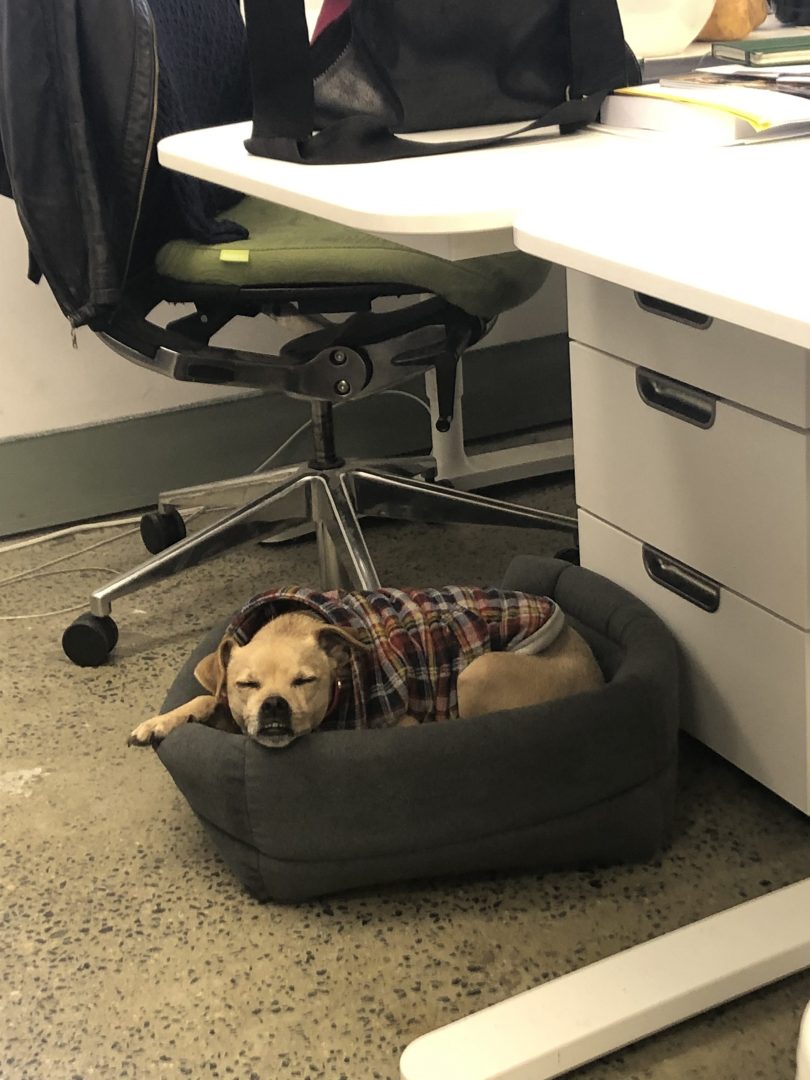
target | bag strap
x=280, y=69
x=284, y=99
x=599, y=55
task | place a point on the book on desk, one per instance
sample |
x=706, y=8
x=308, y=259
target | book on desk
x=713, y=110
x=765, y=51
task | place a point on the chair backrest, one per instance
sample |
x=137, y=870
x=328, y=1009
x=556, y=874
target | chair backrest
x=87, y=87
x=203, y=81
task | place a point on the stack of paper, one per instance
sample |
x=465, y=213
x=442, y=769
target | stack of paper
x=721, y=113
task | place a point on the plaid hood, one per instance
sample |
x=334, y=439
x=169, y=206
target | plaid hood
x=419, y=640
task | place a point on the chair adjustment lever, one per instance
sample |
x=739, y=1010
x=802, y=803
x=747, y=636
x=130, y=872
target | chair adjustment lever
x=453, y=333
x=202, y=325
x=446, y=369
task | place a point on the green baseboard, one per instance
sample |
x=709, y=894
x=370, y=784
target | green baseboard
x=84, y=473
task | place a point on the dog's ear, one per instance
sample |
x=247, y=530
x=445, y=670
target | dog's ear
x=211, y=671
x=339, y=643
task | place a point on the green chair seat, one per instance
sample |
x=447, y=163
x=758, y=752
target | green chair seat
x=288, y=247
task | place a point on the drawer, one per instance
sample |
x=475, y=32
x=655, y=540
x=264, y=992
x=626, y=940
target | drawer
x=711, y=483
x=745, y=670
x=760, y=372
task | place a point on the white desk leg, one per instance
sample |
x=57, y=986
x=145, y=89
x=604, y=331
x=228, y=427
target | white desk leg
x=469, y=472
x=803, y=1049
x=556, y=1027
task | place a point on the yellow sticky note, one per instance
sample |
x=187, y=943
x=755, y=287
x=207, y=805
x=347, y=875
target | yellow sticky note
x=234, y=255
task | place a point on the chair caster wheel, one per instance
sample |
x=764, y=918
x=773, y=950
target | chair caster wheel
x=90, y=639
x=568, y=555
x=162, y=528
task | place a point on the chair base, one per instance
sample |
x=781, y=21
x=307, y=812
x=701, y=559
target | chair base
x=333, y=499
x=447, y=461
x=328, y=497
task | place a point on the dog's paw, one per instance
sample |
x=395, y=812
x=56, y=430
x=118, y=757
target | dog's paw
x=153, y=731
x=150, y=732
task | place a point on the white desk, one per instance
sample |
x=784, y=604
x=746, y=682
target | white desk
x=695, y=234
x=644, y=216
x=453, y=205
x=456, y=206
x=717, y=230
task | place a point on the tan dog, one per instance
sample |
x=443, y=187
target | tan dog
x=284, y=681
x=277, y=687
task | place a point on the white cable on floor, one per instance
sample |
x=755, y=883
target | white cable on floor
x=87, y=526
x=60, y=611
x=44, y=614
x=37, y=570
x=43, y=570
x=69, y=530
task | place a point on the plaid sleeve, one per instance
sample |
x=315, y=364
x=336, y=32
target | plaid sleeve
x=514, y=620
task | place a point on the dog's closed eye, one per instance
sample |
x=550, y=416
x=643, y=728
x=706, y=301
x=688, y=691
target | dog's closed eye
x=247, y=684
x=302, y=680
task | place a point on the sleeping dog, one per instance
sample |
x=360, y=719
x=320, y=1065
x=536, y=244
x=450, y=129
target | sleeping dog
x=294, y=660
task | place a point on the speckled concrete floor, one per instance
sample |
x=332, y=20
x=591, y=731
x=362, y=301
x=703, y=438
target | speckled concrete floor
x=127, y=950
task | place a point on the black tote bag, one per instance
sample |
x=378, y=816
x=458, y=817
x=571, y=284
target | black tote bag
x=383, y=67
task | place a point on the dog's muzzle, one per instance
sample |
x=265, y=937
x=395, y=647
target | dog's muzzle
x=275, y=716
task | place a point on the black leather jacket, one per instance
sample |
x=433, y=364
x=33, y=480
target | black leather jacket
x=80, y=82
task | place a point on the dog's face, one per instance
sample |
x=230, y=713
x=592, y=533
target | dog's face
x=281, y=684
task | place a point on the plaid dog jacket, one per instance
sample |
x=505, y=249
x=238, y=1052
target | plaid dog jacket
x=417, y=643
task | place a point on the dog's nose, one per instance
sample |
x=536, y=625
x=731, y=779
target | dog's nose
x=275, y=710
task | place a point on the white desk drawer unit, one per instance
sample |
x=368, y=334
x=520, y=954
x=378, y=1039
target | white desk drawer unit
x=692, y=453
x=753, y=370
x=746, y=672
x=713, y=484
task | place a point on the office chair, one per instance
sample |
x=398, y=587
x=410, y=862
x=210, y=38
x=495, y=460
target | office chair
x=257, y=259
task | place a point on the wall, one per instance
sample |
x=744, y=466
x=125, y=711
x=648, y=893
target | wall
x=45, y=383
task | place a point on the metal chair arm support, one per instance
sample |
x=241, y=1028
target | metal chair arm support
x=366, y=353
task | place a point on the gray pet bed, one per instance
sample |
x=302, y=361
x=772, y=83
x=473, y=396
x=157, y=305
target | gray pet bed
x=587, y=780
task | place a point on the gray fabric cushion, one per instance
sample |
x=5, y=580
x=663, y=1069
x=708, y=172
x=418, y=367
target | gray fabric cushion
x=586, y=780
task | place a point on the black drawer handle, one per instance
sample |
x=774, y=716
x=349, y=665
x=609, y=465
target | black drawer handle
x=681, y=579
x=696, y=319
x=676, y=398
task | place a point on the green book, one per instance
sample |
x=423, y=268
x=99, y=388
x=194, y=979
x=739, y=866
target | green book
x=765, y=52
